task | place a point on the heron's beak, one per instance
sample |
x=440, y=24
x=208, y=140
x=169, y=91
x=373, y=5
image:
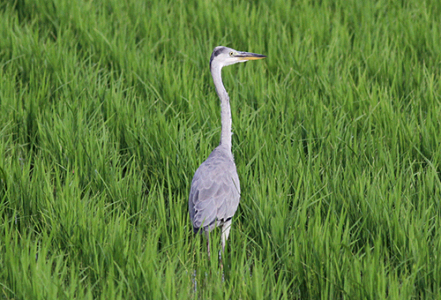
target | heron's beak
x=249, y=56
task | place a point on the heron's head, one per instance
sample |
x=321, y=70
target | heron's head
x=224, y=56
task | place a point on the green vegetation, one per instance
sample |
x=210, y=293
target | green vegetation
x=107, y=108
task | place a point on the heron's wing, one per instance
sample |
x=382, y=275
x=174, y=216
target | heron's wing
x=215, y=193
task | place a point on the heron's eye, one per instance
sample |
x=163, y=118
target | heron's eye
x=231, y=53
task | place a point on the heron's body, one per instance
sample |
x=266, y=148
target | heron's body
x=215, y=188
x=215, y=192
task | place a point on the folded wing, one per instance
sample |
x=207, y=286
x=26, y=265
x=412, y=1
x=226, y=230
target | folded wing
x=214, y=194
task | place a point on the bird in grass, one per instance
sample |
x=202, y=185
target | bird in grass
x=215, y=188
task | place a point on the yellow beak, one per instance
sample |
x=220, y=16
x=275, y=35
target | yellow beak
x=249, y=56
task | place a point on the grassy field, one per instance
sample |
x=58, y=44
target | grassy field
x=107, y=108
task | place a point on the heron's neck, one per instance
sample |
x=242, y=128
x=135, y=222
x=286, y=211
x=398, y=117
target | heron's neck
x=225, y=139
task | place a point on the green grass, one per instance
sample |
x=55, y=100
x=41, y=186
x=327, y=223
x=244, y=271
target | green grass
x=107, y=109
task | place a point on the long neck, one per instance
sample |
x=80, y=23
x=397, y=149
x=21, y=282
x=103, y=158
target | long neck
x=225, y=139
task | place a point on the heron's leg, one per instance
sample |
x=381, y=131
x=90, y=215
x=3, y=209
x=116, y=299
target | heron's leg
x=207, y=234
x=225, y=233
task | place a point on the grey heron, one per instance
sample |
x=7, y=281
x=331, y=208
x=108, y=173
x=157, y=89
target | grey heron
x=215, y=188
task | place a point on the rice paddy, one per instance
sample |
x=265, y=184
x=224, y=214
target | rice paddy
x=107, y=108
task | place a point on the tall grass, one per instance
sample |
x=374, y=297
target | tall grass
x=107, y=109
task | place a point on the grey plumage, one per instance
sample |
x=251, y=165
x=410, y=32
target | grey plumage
x=215, y=188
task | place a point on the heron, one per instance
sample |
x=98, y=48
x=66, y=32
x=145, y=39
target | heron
x=215, y=188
